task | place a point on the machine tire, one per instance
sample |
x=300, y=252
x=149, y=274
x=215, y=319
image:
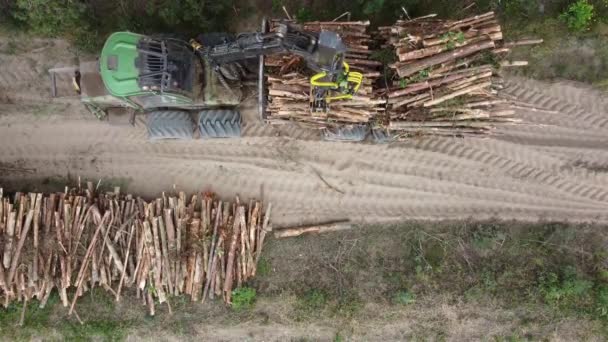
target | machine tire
x=170, y=124
x=219, y=123
x=347, y=133
x=381, y=136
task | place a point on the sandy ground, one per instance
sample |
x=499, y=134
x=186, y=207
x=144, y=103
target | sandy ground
x=553, y=168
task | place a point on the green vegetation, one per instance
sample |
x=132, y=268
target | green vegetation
x=419, y=77
x=578, y=16
x=554, y=271
x=264, y=267
x=453, y=38
x=574, y=32
x=314, y=300
x=243, y=298
x=35, y=318
x=85, y=22
x=40, y=321
x=311, y=304
x=404, y=297
x=304, y=14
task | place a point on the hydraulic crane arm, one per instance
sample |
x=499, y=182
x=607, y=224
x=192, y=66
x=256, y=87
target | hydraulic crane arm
x=322, y=51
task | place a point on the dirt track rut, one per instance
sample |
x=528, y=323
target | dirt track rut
x=554, y=168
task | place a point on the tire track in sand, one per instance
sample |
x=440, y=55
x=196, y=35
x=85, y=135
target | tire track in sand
x=378, y=183
x=511, y=175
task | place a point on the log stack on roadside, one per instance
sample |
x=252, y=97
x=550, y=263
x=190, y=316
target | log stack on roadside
x=289, y=90
x=197, y=246
x=446, y=79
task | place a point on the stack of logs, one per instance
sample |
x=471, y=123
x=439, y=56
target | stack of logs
x=447, y=82
x=76, y=240
x=289, y=90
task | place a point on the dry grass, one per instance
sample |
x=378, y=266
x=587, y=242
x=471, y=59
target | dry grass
x=449, y=281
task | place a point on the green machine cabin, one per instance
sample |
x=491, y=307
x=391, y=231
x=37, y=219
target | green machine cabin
x=164, y=79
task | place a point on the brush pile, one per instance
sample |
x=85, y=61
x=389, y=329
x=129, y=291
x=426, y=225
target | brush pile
x=289, y=90
x=73, y=241
x=446, y=81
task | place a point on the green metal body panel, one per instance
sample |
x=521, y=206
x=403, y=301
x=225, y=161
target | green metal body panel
x=117, y=64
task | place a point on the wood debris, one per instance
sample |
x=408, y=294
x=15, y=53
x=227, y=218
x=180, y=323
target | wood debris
x=73, y=241
x=313, y=229
x=288, y=81
x=446, y=76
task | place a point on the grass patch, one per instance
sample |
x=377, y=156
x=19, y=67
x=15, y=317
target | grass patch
x=52, y=320
x=243, y=298
x=404, y=297
x=36, y=319
x=556, y=269
x=264, y=267
x=311, y=304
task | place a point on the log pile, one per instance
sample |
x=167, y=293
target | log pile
x=289, y=90
x=73, y=241
x=446, y=76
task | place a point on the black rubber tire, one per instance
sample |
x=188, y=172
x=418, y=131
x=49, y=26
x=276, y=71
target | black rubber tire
x=349, y=133
x=170, y=124
x=382, y=136
x=219, y=123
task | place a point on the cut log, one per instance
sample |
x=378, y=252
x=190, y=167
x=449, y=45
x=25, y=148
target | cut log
x=17, y=254
x=405, y=70
x=8, y=245
x=458, y=93
x=524, y=42
x=236, y=227
x=316, y=229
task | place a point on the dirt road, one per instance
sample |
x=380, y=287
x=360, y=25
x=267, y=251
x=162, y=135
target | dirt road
x=554, y=168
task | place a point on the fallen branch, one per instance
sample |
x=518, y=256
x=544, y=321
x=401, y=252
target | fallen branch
x=312, y=229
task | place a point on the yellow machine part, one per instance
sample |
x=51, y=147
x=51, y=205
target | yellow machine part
x=355, y=78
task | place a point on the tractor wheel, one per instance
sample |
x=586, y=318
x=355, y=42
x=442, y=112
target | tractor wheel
x=219, y=123
x=170, y=125
x=350, y=133
x=381, y=136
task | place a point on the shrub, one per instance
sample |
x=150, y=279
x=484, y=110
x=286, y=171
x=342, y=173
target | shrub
x=304, y=14
x=51, y=17
x=243, y=298
x=566, y=290
x=372, y=7
x=602, y=302
x=313, y=300
x=578, y=16
x=86, y=23
x=404, y=297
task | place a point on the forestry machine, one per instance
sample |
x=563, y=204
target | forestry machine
x=182, y=86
